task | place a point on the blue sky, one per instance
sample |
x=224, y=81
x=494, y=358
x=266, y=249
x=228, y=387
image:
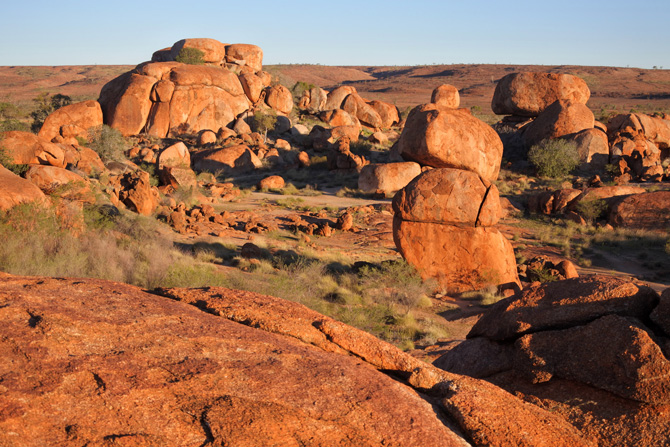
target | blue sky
x=613, y=33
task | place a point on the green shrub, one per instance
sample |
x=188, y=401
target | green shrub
x=591, y=210
x=108, y=143
x=554, y=158
x=191, y=56
x=46, y=104
x=264, y=121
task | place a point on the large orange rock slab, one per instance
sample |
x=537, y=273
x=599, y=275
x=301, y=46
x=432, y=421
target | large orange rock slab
x=459, y=258
x=650, y=210
x=72, y=121
x=15, y=190
x=126, y=102
x=337, y=96
x=449, y=196
x=91, y=362
x=356, y=106
x=280, y=99
x=563, y=304
x=451, y=138
x=214, y=52
x=529, y=93
x=246, y=55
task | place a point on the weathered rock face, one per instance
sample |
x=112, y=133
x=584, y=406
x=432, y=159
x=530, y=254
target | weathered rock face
x=650, y=210
x=271, y=182
x=337, y=96
x=60, y=182
x=559, y=119
x=229, y=159
x=176, y=155
x=451, y=138
x=529, y=94
x=446, y=95
x=15, y=190
x=137, y=193
x=164, y=97
x=338, y=117
x=245, y=55
x=593, y=147
x=387, y=177
x=563, y=304
x=449, y=196
x=574, y=341
x=655, y=129
x=459, y=258
x=357, y=107
x=104, y=371
x=252, y=85
x=280, y=99
x=72, y=121
x=387, y=112
x=313, y=99
x=28, y=148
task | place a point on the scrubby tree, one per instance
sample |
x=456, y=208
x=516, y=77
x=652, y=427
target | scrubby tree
x=554, y=158
x=264, y=121
x=107, y=142
x=47, y=104
x=191, y=56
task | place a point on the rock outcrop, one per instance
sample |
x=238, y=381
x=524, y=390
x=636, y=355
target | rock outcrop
x=227, y=367
x=71, y=121
x=15, y=190
x=387, y=177
x=585, y=347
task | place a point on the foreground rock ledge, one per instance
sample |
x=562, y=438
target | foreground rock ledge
x=91, y=362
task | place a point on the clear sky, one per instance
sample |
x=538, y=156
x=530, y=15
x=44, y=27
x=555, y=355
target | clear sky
x=587, y=32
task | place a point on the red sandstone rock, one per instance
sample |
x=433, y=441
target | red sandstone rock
x=337, y=96
x=176, y=155
x=449, y=196
x=271, y=182
x=563, y=304
x=60, y=182
x=649, y=210
x=661, y=314
x=245, y=55
x=357, y=107
x=72, y=121
x=387, y=177
x=214, y=52
x=280, y=99
x=15, y=190
x=529, y=94
x=338, y=117
x=559, y=119
x=137, y=193
x=628, y=362
x=593, y=147
x=229, y=159
x=28, y=148
x=446, y=138
x=446, y=95
x=252, y=85
x=654, y=129
x=387, y=112
x=459, y=258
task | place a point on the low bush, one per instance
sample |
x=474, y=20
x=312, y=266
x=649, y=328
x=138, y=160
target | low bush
x=108, y=143
x=554, y=158
x=191, y=56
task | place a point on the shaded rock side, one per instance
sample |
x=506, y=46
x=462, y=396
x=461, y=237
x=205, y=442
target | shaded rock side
x=459, y=258
x=563, y=304
x=387, y=177
x=451, y=138
x=649, y=210
x=559, y=119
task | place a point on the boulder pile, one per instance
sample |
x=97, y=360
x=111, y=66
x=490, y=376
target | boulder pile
x=445, y=218
x=594, y=339
x=165, y=97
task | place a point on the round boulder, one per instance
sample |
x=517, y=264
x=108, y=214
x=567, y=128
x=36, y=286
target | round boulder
x=451, y=138
x=529, y=93
x=446, y=96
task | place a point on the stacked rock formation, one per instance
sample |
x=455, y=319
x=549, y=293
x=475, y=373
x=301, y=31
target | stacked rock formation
x=551, y=105
x=165, y=97
x=445, y=218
